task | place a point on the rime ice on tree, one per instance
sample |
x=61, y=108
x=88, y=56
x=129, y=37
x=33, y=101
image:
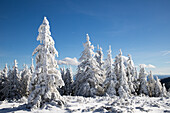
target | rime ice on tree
x=143, y=89
x=25, y=81
x=151, y=85
x=12, y=86
x=46, y=78
x=111, y=79
x=88, y=79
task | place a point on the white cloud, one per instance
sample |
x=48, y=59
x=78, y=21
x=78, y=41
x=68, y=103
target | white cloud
x=147, y=66
x=68, y=61
x=167, y=62
x=164, y=53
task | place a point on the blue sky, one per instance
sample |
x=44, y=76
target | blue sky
x=140, y=28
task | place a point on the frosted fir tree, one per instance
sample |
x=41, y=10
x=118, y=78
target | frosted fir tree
x=3, y=81
x=32, y=66
x=4, y=72
x=122, y=93
x=12, y=87
x=99, y=56
x=122, y=78
x=88, y=78
x=110, y=83
x=151, y=85
x=46, y=78
x=158, y=87
x=143, y=88
x=164, y=91
x=68, y=81
x=25, y=80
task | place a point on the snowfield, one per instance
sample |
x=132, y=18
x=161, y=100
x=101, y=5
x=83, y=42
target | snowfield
x=77, y=104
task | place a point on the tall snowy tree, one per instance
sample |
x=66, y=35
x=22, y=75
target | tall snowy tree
x=123, y=80
x=88, y=79
x=158, y=87
x=46, y=78
x=151, y=85
x=25, y=81
x=143, y=89
x=111, y=79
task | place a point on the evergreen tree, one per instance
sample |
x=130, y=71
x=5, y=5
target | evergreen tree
x=46, y=78
x=164, y=91
x=68, y=80
x=3, y=81
x=151, y=85
x=32, y=66
x=88, y=79
x=158, y=87
x=110, y=83
x=25, y=81
x=12, y=86
x=123, y=80
x=99, y=56
x=143, y=89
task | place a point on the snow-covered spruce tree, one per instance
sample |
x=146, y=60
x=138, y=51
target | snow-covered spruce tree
x=12, y=87
x=68, y=81
x=151, y=85
x=63, y=72
x=158, y=87
x=88, y=78
x=32, y=66
x=131, y=74
x=143, y=88
x=99, y=56
x=164, y=91
x=3, y=80
x=110, y=83
x=25, y=81
x=46, y=78
x=122, y=78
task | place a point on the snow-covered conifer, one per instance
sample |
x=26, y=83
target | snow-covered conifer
x=143, y=88
x=110, y=83
x=4, y=72
x=46, y=78
x=25, y=81
x=99, y=56
x=123, y=80
x=12, y=86
x=122, y=93
x=164, y=91
x=32, y=66
x=68, y=81
x=158, y=87
x=88, y=79
x=151, y=84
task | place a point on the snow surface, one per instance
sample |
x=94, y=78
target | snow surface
x=77, y=104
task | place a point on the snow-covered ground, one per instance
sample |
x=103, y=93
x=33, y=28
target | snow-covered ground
x=77, y=104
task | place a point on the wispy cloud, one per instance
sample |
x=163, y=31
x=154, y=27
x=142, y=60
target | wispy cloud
x=167, y=62
x=147, y=66
x=164, y=53
x=68, y=61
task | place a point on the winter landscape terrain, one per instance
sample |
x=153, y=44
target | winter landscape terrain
x=77, y=104
x=110, y=85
